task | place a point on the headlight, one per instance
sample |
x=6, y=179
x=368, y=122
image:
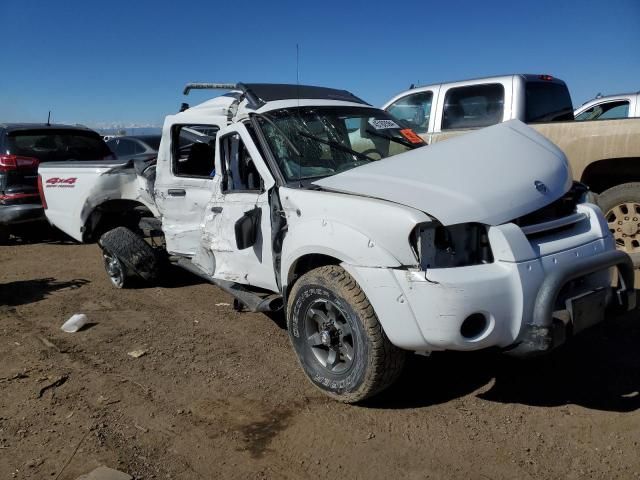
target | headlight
x=459, y=245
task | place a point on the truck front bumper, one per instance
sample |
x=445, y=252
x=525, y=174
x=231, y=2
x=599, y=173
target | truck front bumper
x=527, y=307
x=546, y=331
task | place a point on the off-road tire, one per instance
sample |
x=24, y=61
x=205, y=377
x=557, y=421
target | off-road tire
x=376, y=363
x=134, y=254
x=621, y=195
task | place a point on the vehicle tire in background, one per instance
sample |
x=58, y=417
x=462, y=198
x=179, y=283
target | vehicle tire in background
x=127, y=257
x=621, y=207
x=338, y=339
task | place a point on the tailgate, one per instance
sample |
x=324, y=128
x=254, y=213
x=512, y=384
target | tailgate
x=71, y=190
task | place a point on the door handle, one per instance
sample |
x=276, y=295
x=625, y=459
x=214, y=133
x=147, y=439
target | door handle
x=216, y=209
x=176, y=192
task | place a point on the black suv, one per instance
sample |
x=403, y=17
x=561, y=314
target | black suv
x=22, y=148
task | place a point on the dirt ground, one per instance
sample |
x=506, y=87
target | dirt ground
x=218, y=394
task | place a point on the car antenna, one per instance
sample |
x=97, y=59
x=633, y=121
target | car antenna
x=49, y=119
x=298, y=98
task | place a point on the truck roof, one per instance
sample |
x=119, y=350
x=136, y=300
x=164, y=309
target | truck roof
x=258, y=94
x=612, y=96
x=526, y=76
x=270, y=92
x=260, y=97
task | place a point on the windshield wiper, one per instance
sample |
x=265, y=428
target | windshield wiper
x=393, y=139
x=337, y=145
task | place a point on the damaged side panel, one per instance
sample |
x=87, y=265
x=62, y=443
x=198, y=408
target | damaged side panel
x=352, y=229
x=218, y=251
x=65, y=182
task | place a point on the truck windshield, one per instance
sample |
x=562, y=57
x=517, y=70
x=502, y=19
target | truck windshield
x=330, y=140
x=547, y=102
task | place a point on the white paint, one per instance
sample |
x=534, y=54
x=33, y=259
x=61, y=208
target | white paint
x=486, y=176
x=364, y=218
x=96, y=182
x=183, y=216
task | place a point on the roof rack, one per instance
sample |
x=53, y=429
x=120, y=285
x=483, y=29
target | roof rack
x=208, y=86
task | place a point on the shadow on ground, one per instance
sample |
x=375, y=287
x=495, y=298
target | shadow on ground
x=38, y=232
x=23, y=292
x=173, y=276
x=599, y=369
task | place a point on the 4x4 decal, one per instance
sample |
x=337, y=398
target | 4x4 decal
x=61, y=182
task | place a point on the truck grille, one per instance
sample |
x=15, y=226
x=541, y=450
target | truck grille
x=555, y=216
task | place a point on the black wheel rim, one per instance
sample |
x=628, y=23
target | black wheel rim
x=114, y=269
x=329, y=336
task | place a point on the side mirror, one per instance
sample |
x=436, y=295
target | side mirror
x=247, y=228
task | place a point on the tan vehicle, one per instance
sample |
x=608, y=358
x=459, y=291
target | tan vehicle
x=603, y=154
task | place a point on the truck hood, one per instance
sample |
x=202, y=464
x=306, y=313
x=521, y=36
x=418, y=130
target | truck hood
x=490, y=176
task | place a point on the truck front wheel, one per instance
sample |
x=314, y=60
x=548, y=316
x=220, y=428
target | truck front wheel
x=127, y=257
x=337, y=336
x=621, y=207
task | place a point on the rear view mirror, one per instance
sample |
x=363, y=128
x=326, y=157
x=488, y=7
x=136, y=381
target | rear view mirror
x=247, y=228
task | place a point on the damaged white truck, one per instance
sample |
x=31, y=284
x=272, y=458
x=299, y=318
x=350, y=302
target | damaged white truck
x=311, y=200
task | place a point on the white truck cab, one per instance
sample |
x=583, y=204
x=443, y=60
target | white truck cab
x=622, y=105
x=311, y=200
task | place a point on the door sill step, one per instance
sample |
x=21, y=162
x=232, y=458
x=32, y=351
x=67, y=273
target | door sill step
x=254, y=301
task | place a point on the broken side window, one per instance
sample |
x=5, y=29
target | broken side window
x=193, y=150
x=240, y=172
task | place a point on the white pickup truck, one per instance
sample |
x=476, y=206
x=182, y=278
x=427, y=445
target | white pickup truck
x=622, y=105
x=311, y=200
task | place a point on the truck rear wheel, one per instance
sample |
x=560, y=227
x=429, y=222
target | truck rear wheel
x=336, y=334
x=127, y=257
x=621, y=207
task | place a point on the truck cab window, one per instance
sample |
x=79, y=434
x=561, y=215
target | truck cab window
x=606, y=111
x=193, y=150
x=240, y=173
x=547, y=102
x=414, y=110
x=473, y=106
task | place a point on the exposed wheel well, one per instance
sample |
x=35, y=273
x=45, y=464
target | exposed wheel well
x=604, y=174
x=112, y=214
x=306, y=263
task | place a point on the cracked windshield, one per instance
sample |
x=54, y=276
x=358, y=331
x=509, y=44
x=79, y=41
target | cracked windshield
x=317, y=142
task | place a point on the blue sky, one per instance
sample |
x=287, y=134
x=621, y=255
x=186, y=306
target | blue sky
x=120, y=62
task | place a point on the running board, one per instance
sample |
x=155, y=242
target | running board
x=252, y=301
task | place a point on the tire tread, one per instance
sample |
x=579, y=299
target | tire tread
x=386, y=361
x=133, y=251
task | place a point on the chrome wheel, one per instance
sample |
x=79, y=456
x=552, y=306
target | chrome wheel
x=624, y=224
x=330, y=336
x=114, y=269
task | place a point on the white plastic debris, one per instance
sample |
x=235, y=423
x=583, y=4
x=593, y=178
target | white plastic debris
x=75, y=323
x=105, y=473
x=222, y=304
x=137, y=353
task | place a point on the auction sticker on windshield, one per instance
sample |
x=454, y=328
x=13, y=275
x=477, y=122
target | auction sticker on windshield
x=380, y=124
x=411, y=136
